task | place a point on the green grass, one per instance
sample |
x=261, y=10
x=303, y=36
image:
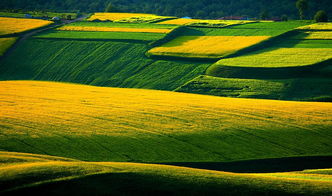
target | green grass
x=53, y=176
x=98, y=63
x=309, y=89
x=102, y=35
x=123, y=25
x=6, y=43
x=114, y=124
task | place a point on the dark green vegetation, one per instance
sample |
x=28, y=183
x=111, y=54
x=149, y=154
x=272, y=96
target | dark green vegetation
x=110, y=63
x=251, y=29
x=180, y=8
x=57, y=176
x=39, y=14
x=309, y=89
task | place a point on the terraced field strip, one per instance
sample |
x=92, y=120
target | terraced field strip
x=115, y=124
x=31, y=173
x=317, y=26
x=95, y=35
x=178, y=21
x=128, y=17
x=205, y=46
x=110, y=29
x=309, y=89
x=6, y=43
x=217, y=23
x=19, y=25
x=279, y=57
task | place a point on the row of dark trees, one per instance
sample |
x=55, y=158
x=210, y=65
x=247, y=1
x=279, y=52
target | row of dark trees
x=180, y=8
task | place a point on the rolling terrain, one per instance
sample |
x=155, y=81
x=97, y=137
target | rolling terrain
x=66, y=130
x=55, y=175
x=111, y=124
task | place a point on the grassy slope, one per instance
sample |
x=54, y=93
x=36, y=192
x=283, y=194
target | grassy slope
x=54, y=176
x=97, y=63
x=308, y=89
x=109, y=124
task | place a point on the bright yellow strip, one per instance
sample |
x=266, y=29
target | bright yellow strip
x=319, y=35
x=179, y=21
x=115, y=16
x=318, y=26
x=18, y=25
x=206, y=46
x=111, y=29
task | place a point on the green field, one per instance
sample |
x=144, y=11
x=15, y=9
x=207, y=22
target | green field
x=21, y=173
x=100, y=63
x=309, y=89
x=123, y=25
x=143, y=37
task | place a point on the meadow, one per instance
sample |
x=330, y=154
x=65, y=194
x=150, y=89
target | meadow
x=100, y=63
x=112, y=29
x=6, y=43
x=21, y=173
x=205, y=46
x=19, y=25
x=115, y=124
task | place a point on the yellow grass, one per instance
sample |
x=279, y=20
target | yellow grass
x=18, y=25
x=206, y=46
x=318, y=35
x=116, y=16
x=6, y=43
x=179, y=21
x=318, y=26
x=112, y=29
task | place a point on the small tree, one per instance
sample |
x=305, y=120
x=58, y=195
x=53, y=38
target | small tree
x=321, y=16
x=284, y=17
x=265, y=15
x=302, y=6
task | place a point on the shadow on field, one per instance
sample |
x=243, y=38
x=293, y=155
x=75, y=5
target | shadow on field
x=263, y=165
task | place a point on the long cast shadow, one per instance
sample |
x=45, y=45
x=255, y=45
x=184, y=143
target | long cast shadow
x=263, y=165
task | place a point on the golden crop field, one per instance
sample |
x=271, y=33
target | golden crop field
x=6, y=43
x=206, y=46
x=179, y=21
x=113, y=29
x=18, y=25
x=71, y=120
x=318, y=26
x=280, y=57
x=220, y=22
x=117, y=16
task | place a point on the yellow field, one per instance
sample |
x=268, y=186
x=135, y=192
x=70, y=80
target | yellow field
x=116, y=16
x=206, y=46
x=113, y=29
x=6, y=43
x=73, y=121
x=179, y=21
x=18, y=25
x=281, y=57
x=318, y=26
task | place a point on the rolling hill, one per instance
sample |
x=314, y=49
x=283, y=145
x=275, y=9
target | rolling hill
x=37, y=174
x=113, y=124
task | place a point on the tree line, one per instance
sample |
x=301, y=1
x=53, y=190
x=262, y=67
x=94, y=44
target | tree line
x=209, y=9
